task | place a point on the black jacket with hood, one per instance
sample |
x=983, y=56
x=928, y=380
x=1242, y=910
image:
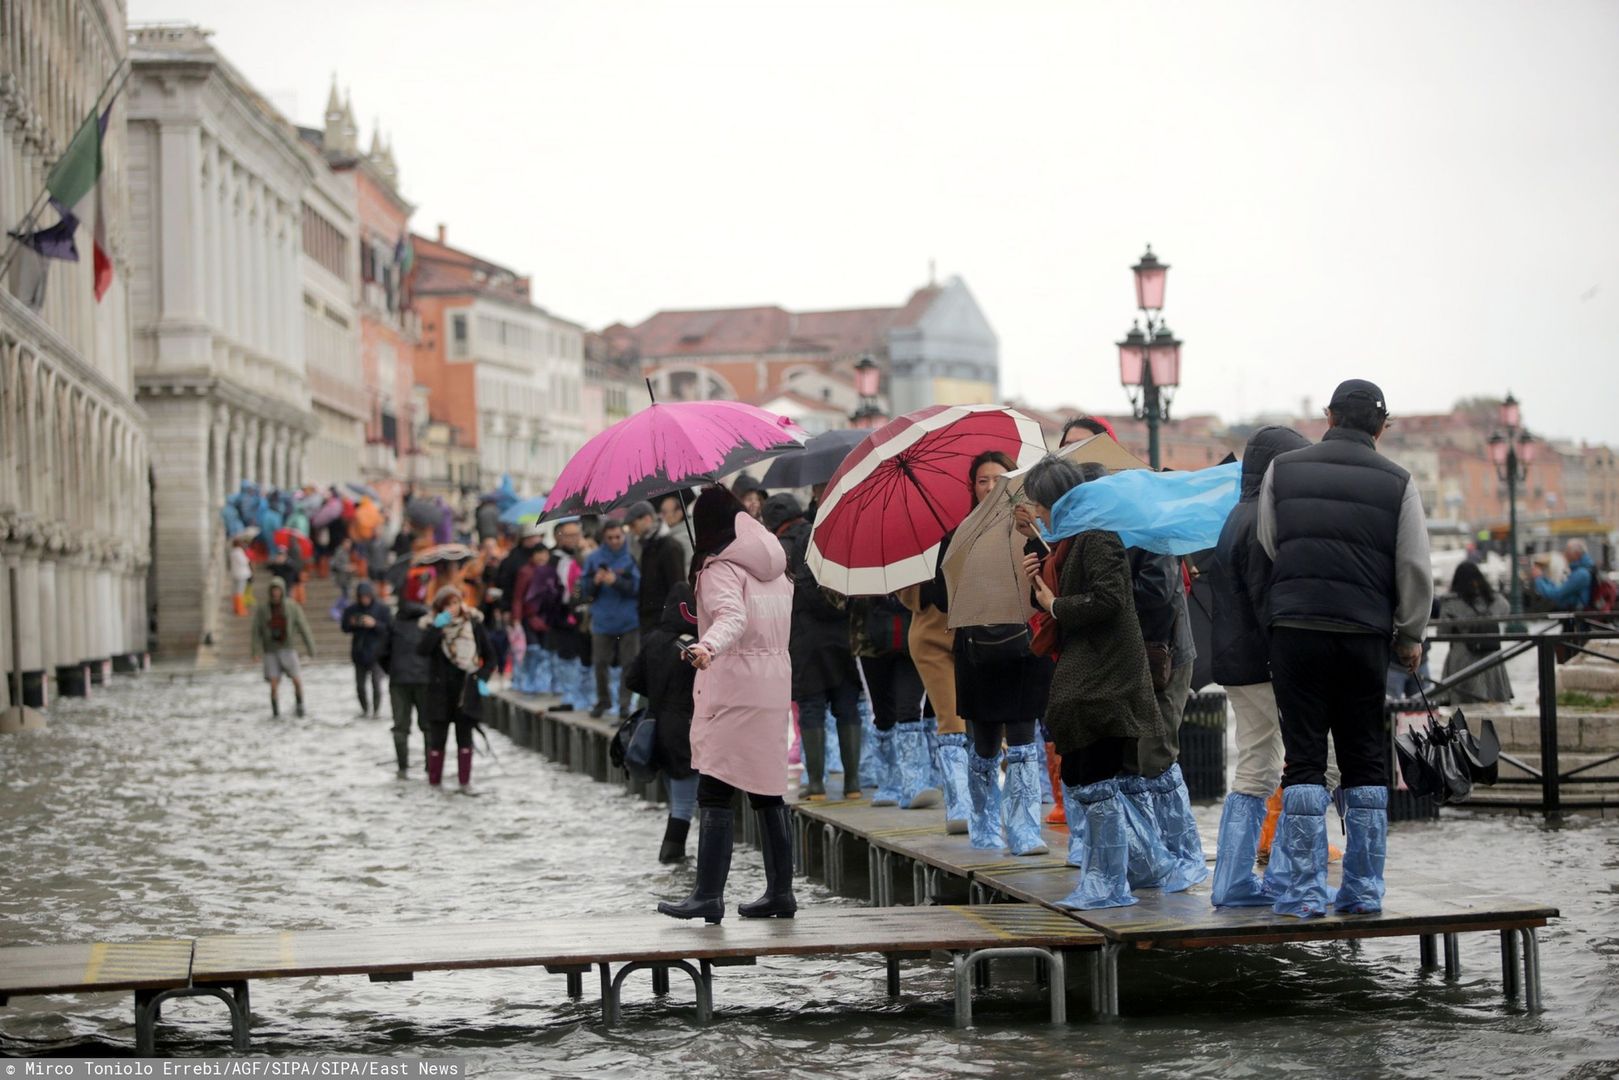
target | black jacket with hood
x=661, y=675
x=405, y=666
x=1241, y=576
x=367, y=644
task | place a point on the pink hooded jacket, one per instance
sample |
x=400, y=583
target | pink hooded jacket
x=744, y=699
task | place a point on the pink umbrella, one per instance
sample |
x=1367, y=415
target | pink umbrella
x=329, y=511
x=890, y=504
x=666, y=447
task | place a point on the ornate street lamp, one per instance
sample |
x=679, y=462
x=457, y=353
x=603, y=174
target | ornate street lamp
x=1512, y=452
x=867, y=377
x=1150, y=358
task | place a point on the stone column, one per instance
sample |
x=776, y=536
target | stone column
x=186, y=528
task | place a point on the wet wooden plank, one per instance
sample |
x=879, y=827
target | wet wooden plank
x=1188, y=920
x=63, y=969
x=616, y=939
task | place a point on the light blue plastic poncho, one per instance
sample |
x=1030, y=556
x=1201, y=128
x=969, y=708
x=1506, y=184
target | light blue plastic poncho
x=1170, y=513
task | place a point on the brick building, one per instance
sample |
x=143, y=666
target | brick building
x=505, y=374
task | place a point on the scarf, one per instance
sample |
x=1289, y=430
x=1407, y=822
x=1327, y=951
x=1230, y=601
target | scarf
x=460, y=643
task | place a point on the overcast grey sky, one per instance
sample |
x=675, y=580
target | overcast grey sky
x=1422, y=193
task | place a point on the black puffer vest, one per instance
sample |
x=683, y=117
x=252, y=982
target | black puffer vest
x=1337, y=519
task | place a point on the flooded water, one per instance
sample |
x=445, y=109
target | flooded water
x=179, y=809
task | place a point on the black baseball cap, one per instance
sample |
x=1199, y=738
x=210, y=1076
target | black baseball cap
x=1358, y=392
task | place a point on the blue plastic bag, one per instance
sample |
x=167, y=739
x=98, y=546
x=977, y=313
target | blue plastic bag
x=1169, y=513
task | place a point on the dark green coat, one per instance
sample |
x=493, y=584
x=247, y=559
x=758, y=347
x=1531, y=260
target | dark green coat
x=1101, y=686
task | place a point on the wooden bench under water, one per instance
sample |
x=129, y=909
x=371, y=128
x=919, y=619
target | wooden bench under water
x=223, y=966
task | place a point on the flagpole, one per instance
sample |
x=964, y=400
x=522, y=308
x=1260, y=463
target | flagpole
x=120, y=75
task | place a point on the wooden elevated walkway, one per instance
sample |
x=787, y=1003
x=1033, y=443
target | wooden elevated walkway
x=223, y=966
x=939, y=863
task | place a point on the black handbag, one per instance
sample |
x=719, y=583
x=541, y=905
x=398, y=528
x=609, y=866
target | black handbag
x=996, y=644
x=635, y=746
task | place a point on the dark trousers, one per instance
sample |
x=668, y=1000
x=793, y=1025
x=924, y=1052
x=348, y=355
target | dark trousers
x=1100, y=760
x=987, y=736
x=1331, y=683
x=713, y=792
x=895, y=687
x=438, y=733
x=373, y=673
x=403, y=700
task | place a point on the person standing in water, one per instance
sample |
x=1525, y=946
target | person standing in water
x=276, y=624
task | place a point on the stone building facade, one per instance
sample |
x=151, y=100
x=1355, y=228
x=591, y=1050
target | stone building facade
x=73, y=443
x=217, y=189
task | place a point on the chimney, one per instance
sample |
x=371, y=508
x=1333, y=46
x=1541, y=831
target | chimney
x=442, y=233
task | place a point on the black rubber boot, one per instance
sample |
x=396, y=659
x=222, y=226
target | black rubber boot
x=849, y=735
x=402, y=754
x=813, y=736
x=275, y=705
x=778, y=902
x=707, y=899
x=300, y=706
x=674, y=841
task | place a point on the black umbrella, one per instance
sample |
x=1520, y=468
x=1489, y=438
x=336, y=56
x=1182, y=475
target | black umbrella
x=814, y=464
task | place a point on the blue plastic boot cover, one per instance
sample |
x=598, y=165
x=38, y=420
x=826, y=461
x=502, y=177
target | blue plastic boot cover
x=915, y=768
x=1074, y=811
x=1022, y=810
x=886, y=768
x=984, y=791
x=1104, y=882
x=1303, y=834
x=953, y=764
x=1367, y=817
x=834, y=750
x=930, y=727
x=1276, y=870
x=1172, y=804
x=1047, y=797
x=868, y=746
x=1150, y=861
x=1235, y=883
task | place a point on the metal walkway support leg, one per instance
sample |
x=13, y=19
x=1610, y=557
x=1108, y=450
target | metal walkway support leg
x=1428, y=952
x=611, y=1010
x=1105, y=981
x=1453, y=956
x=1531, y=969
x=149, y=1006
x=893, y=974
x=965, y=963
x=1509, y=963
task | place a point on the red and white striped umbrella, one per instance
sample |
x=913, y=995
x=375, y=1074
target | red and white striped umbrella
x=898, y=493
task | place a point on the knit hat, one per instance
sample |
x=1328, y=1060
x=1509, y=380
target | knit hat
x=445, y=594
x=744, y=484
x=713, y=518
x=779, y=509
x=639, y=510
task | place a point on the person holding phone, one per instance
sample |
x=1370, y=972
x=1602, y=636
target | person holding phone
x=366, y=621
x=741, y=702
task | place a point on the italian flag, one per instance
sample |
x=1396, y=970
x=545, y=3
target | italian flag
x=75, y=187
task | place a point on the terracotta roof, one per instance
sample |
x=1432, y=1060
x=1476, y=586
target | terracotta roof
x=442, y=269
x=766, y=329
x=797, y=399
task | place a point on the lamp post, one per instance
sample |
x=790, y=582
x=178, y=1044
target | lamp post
x=1512, y=451
x=866, y=378
x=1149, y=355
